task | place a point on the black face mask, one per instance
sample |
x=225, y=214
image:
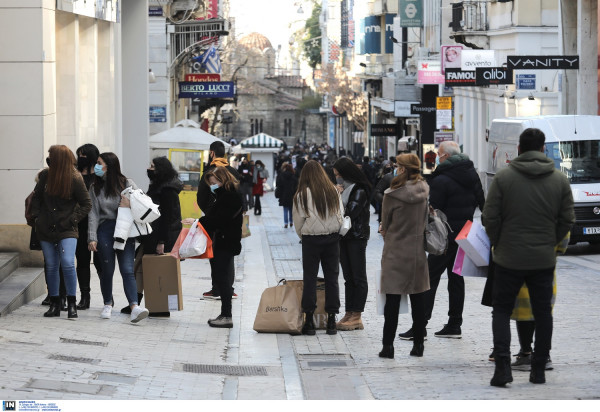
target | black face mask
x=82, y=163
x=150, y=174
x=48, y=161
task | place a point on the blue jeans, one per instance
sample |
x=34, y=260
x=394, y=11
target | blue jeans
x=56, y=255
x=287, y=215
x=107, y=253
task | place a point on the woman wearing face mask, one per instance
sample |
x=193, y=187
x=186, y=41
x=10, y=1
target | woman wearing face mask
x=164, y=190
x=87, y=156
x=356, y=193
x=260, y=175
x=224, y=222
x=404, y=269
x=105, y=193
x=59, y=202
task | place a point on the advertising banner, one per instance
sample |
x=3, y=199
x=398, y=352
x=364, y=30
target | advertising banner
x=389, y=32
x=429, y=72
x=472, y=59
x=439, y=137
x=384, y=130
x=206, y=90
x=411, y=13
x=443, y=119
x=372, y=35
x=203, y=77
x=451, y=57
x=493, y=75
x=402, y=109
x=158, y=114
x=457, y=77
x=443, y=103
x=542, y=62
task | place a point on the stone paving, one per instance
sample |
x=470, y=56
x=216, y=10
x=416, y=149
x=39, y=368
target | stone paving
x=175, y=358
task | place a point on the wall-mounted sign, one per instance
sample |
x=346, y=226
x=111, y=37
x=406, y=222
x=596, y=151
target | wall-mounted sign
x=457, y=77
x=155, y=11
x=443, y=103
x=451, y=57
x=429, y=72
x=372, y=33
x=418, y=109
x=542, y=62
x=493, y=75
x=439, y=137
x=158, y=114
x=472, y=59
x=384, y=130
x=402, y=109
x=411, y=13
x=413, y=122
x=203, y=77
x=389, y=32
x=443, y=119
x=205, y=90
x=525, y=81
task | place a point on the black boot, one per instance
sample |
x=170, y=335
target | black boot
x=309, y=324
x=503, y=373
x=418, y=347
x=54, y=307
x=46, y=301
x=387, y=352
x=84, y=302
x=331, y=327
x=538, y=370
x=127, y=309
x=72, y=307
x=63, y=303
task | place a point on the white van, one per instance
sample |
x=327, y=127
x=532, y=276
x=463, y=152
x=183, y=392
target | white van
x=573, y=142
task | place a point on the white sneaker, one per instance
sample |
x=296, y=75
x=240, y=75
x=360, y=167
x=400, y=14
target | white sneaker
x=138, y=313
x=106, y=312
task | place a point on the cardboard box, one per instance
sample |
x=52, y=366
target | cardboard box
x=162, y=283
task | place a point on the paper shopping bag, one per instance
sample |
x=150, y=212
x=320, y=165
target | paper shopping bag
x=246, y=226
x=279, y=310
x=464, y=266
x=320, y=315
x=475, y=242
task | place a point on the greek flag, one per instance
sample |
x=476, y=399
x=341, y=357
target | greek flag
x=210, y=59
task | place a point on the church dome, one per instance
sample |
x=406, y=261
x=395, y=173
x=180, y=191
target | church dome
x=255, y=41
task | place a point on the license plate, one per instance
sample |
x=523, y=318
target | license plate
x=591, y=230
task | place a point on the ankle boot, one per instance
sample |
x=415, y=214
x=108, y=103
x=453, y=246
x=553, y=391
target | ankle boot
x=309, y=324
x=343, y=320
x=63, y=303
x=538, y=370
x=84, y=302
x=387, y=352
x=417, y=349
x=54, y=307
x=331, y=329
x=46, y=301
x=72, y=307
x=503, y=373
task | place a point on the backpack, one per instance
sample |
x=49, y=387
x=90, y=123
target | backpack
x=436, y=231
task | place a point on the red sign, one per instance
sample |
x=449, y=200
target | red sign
x=203, y=77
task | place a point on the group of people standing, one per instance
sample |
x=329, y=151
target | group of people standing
x=74, y=211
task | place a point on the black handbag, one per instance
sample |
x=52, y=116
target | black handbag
x=34, y=242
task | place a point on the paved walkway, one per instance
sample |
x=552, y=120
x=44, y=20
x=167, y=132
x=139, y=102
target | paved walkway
x=183, y=358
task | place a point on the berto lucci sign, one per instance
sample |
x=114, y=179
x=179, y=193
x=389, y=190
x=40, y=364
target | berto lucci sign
x=206, y=90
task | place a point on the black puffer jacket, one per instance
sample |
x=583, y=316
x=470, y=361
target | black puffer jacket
x=456, y=190
x=224, y=221
x=166, y=228
x=358, y=209
x=287, y=183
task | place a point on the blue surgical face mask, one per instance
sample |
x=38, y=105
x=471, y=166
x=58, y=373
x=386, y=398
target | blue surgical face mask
x=395, y=171
x=98, y=170
x=214, y=187
x=437, y=160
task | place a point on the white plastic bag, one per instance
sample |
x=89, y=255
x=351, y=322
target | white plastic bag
x=380, y=298
x=194, y=243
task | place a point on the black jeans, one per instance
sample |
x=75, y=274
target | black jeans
x=456, y=286
x=323, y=249
x=223, y=264
x=390, y=313
x=257, y=206
x=354, y=267
x=525, y=330
x=84, y=257
x=507, y=284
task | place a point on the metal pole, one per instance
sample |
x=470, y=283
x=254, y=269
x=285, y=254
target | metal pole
x=369, y=125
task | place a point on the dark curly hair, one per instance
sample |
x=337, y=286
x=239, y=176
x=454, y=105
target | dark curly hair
x=163, y=171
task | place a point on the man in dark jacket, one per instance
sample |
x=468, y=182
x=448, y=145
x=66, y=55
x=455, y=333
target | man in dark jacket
x=456, y=190
x=528, y=212
x=206, y=199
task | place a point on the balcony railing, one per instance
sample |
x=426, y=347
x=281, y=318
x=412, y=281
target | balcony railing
x=469, y=16
x=183, y=37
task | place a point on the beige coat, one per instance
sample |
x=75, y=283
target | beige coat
x=311, y=224
x=404, y=267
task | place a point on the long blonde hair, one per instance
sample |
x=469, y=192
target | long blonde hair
x=324, y=195
x=412, y=164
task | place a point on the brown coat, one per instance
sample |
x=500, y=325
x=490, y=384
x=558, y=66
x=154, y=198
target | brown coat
x=404, y=267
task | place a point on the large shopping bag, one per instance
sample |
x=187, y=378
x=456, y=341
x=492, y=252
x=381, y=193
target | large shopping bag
x=464, y=266
x=246, y=226
x=195, y=242
x=279, y=310
x=475, y=242
x=208, y=253
x=320, y=315
x=380, y=298
x=162, y=283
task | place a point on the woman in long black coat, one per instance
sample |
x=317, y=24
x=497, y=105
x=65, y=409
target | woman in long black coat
x=287, y=183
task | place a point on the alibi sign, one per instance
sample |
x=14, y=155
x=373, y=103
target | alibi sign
x=493, y=75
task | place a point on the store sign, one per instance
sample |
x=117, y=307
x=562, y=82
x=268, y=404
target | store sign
x=389, y=33
x=413, y=122
x=451, y=56
x=472, y=59
x=439, y=137
x=411, y=13
x=206, y=90
x=542, y=62
x=155, y=11
x=525, y=81
x=384, y=130
x=402, y=109
x=457, y=77
x=493, y=75
x=418, y=109
x=372, y=32
x=429, y=72
x=158, y=114
x=203, y=77
x=443, y=103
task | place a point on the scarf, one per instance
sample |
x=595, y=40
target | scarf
x=348, y=186
x=219, y=161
